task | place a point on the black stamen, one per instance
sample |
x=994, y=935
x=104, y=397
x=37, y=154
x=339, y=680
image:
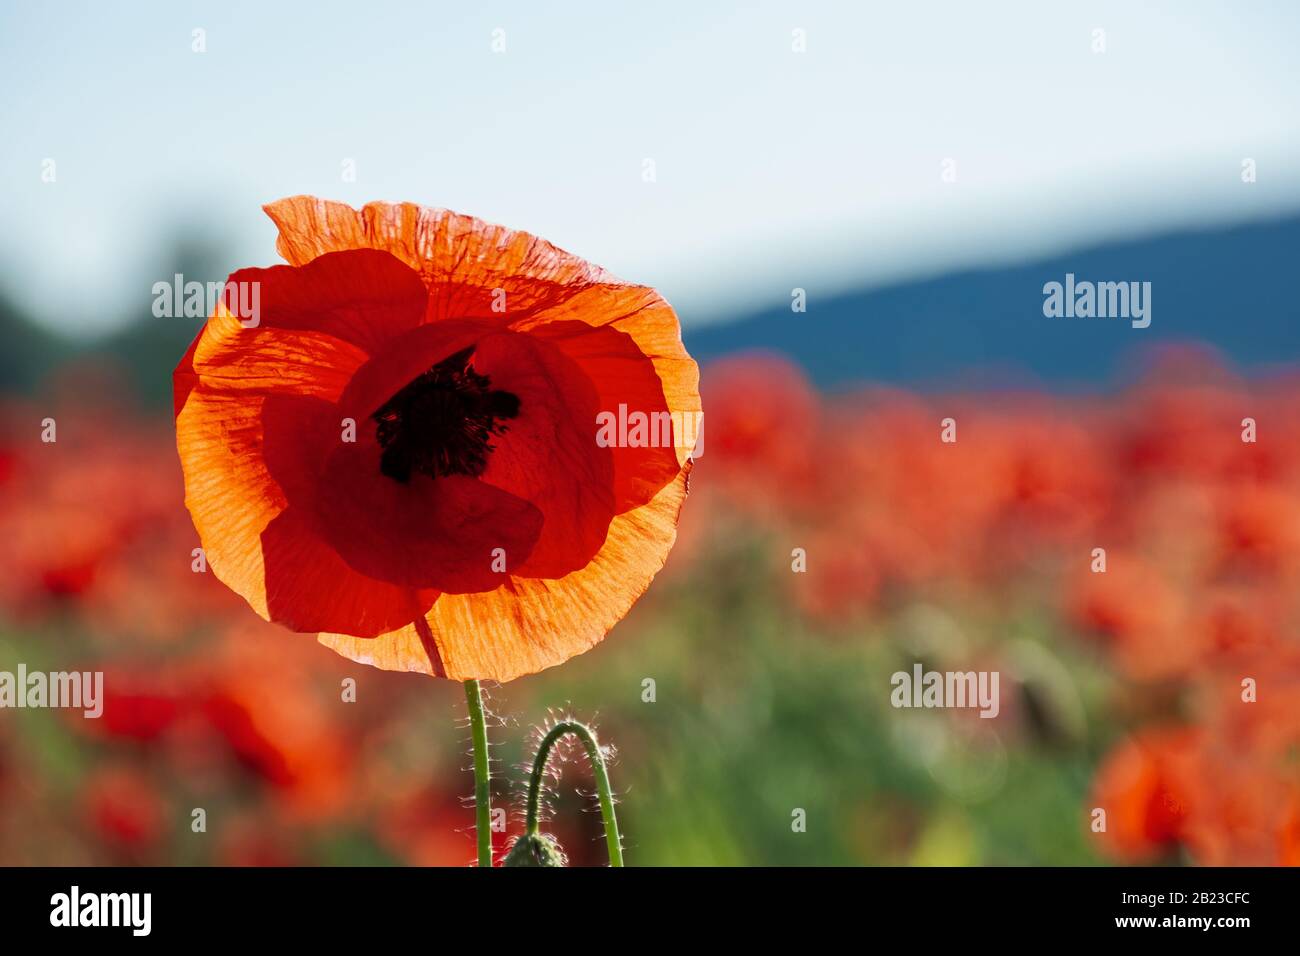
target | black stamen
x=440, y=422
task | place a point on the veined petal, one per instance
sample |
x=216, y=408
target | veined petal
x=532, y=624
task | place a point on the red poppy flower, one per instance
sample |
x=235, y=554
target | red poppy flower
x=125, y=809
x=1146, y=785
x=401, y=450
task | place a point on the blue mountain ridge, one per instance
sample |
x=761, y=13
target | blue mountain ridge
x=1231, y=288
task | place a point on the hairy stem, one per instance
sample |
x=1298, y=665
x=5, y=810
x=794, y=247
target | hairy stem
x=482, y=787
x=597, y=758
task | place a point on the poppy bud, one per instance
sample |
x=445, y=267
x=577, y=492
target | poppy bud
x=536, y=849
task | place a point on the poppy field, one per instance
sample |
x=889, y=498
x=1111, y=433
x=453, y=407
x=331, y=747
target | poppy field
x=1126, y=561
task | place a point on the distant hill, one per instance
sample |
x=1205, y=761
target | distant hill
x=1232, y=288
x=29, y=351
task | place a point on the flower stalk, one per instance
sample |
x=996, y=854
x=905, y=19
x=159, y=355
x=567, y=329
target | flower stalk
x=482, y=776
x=613, y=840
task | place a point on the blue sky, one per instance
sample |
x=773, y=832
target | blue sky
x=774, y=169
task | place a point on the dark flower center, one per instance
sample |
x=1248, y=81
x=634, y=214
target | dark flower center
x=440, y=422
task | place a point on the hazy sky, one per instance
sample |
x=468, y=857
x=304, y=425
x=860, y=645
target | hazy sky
x=773, y=168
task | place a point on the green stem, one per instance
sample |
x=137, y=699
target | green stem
x=597, y=758
x=482, y=788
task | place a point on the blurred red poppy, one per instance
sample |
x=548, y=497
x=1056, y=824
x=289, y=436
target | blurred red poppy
x=1143, y=785
x=125, y=809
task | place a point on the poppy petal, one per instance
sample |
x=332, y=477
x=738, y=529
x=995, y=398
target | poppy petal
x=299, y=432
x=532, y=624
x=365, y=297
x=248, y=363
x=643, y=315
x=548, y=454
x=471, y=267
x=625, y=381
x=229, y=492
x=309, y=587
x=444, y=533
